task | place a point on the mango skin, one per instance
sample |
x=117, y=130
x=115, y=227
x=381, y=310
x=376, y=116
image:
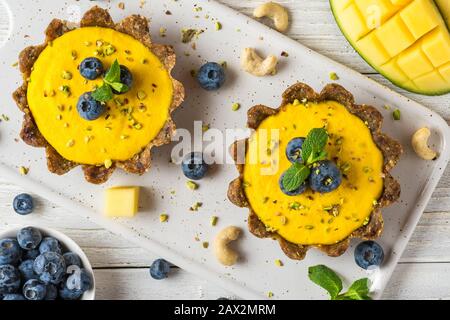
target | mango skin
x=407, y=48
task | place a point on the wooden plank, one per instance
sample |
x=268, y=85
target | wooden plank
x=410, y=281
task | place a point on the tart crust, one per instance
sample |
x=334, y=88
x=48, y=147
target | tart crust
x=136, y=26
x=391, y=149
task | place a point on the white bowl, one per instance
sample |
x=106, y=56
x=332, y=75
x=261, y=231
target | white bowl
x=68, y=245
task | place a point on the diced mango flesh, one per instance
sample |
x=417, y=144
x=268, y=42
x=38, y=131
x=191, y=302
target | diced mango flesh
x=410, y=46
x=122, y=202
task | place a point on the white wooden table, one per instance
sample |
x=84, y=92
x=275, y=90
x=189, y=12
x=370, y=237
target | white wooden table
x=121, y=269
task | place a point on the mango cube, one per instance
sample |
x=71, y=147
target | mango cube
x=433, y=78
x=353, y=22
x=445, y=72
x=396, y=36
x=421, y=16
x=437, y=47
x=373, y=49
x=414, y=62
x=375, y=12
x=121, y=202
x=394, y=71
x=400, y=3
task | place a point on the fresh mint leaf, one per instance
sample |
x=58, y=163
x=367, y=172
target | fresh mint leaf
x=314, y=145
x=103, y=93
x=359, y=290
x=295, y=176
x=113, y=74
x=327, y=279
x=119, y=87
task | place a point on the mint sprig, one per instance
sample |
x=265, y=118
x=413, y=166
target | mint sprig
x=330, y=281
x=111, y=82
x=313, y=150
x=295, y=176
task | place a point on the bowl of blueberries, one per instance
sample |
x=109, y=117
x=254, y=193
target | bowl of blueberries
x=38, y=263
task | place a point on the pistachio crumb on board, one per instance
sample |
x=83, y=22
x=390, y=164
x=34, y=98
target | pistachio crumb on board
x=196, y=206
x=23, y=170
x=163, y=218
x=191, y=185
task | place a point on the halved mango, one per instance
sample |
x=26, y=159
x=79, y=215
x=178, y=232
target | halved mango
x=410, y=45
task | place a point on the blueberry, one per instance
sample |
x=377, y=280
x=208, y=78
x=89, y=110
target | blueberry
x=222, y=299
x=67, y=294
x=89, y=108
x=193, y=166
x=294, y=150
x=72, y=259
x=14, y=297
x=91, y=68
x=29, y=238
x=79, y=280
x=296, y=192
x=50, y=267
x=325, y=177
x=23, y=204
x=369, y=254
x=50, y=244
x=211, y=76
x=10, y=252
x=27, y=271
x=126, y=77
x=9, y=279
x=159, y=269
x=52, y=292
x=34, y=290
x=31, y=254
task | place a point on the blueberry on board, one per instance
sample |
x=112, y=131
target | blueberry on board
x=52, y=292
x=26, y=270
x=9, y=279
x=89, y=108
x=126, y=78
x=369, y=254
x=325, y=177
x=67, y=294
x=159, y=269
x=294, y=150
x=296, y=192
x=13, y=297
x=10, y=252
x=29, y=238
x=50, y=267
x=80, y=280
x=50, y=244
x=91, y=68
x=211, y=76
x=222, y=299
x=72, y=259
x=194, y=167
x=34, y=290
x=30, y=254
x=23, y=204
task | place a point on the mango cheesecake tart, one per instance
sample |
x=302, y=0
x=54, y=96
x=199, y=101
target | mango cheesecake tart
x=99, y=95
x=315, y=172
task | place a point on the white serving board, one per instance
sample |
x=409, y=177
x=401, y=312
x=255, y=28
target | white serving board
x=164, y=187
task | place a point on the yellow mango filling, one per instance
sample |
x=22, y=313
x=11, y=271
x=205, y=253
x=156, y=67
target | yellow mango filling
x=313, y=218
x=406, y=40
x=132, y=120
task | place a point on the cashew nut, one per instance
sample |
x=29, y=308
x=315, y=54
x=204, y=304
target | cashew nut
x=276, y=12
x=224, y=254
x=257, y=66
x=420, y=144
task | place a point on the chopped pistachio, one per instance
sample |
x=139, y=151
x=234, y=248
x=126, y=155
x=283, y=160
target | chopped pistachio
x=214, y=220
x=191, y=185
x=87, y=43
x=144, y=61
x=124, y=137
x=163, y=218
x=109, y=50
x=334, y=76
x=296, y=102
x=141, y=95
x=205, y=127
x=87, y=139
x=74, y=55
x=162, y=32
x=235, y=106
x=5, y=117
x=65, y=90
x=127, y=52
x=70, y=143
x=279, y=263
x=196, y=206
x=270, y=294
x=309, y=227
x=23, y=170
x=15, y=64
x=205, y=245
x=218, y=26
x=108, y=163
x=67, y=75
x=387, y=107
x=137, y=126
x=396, y=115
